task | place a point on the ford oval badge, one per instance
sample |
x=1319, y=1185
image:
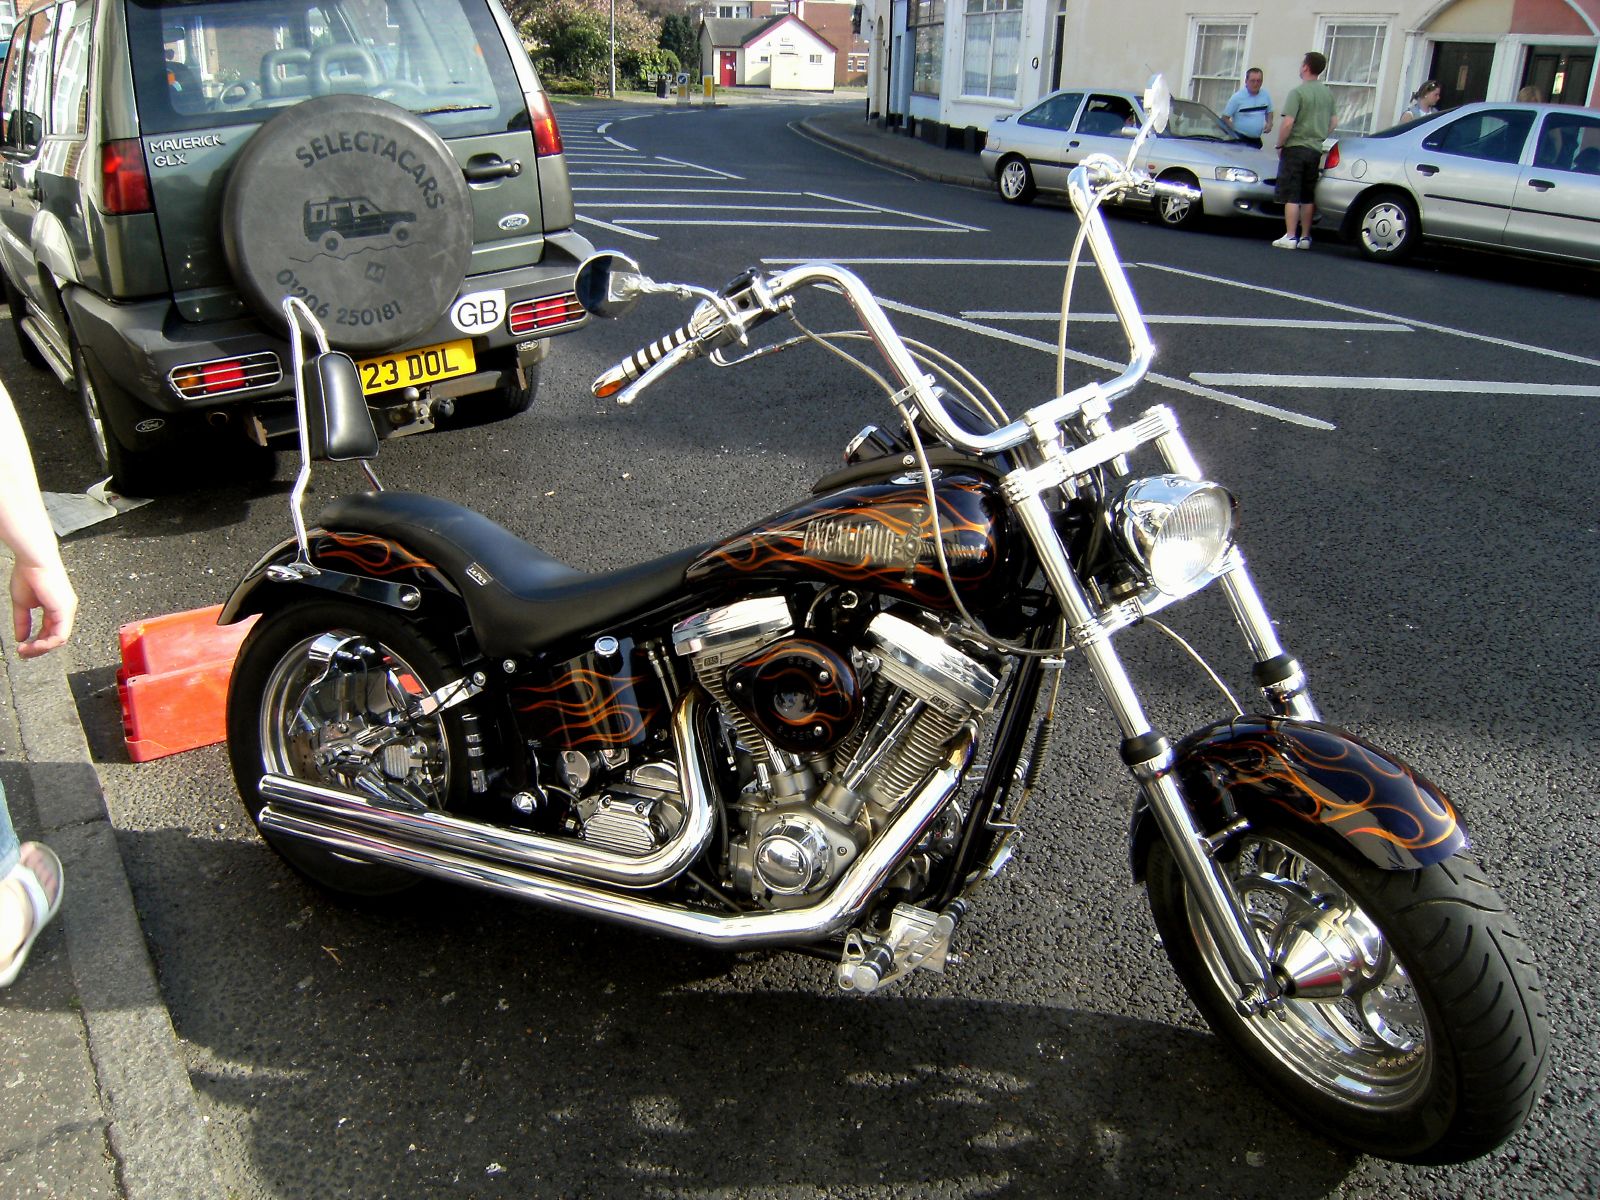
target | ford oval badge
x=513, y=221
x=149, y=426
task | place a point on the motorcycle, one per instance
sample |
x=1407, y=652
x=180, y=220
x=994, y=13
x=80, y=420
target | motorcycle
x=821, y=732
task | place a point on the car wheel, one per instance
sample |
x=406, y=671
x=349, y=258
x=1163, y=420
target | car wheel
x=1015, y=180
x=19, y=308
x=1176, y=213
x=498, y=404
x=1386, y=229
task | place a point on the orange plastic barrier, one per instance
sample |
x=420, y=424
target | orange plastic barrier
x=173, y=682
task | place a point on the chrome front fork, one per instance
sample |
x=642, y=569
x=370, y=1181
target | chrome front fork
x=1149, y=755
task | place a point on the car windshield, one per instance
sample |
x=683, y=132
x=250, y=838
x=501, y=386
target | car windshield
x=1191, y=120
x=240, y=61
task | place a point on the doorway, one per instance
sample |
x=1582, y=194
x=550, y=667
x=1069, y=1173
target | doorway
x=1462, y=69
x=1058, y=42
x=1561, y=73
x=727, y=68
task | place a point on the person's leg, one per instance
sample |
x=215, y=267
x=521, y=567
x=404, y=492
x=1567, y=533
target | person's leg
x=17, y=915
x=8, y=837
x=1307, y=213
x=1291, y=219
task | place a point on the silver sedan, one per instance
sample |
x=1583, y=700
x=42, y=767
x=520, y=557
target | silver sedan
x=1517, y=177
x=1034, y=150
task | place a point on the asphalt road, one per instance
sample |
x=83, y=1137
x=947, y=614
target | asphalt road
x=1430, y=555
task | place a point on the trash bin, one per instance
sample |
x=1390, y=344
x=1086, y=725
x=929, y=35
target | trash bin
x=661, y=87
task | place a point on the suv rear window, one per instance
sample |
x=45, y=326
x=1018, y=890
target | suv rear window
x=238, y=62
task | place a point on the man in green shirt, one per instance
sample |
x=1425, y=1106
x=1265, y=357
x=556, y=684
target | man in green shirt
x=1307, y=121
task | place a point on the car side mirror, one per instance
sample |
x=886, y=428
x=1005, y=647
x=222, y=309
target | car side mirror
x=609, y=284
x=338, y=422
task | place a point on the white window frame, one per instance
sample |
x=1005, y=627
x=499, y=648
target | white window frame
x=992, y=14
x=1192, y=49
x=1387, y=22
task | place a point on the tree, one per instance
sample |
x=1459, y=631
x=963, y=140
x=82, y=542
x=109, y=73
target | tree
x=571, y=39
x=679, y=35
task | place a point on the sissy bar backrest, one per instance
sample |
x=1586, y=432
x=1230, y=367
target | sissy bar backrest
x=335, y=423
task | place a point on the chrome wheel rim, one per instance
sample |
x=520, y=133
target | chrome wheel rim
x=334, y=710
x=1385, y=228
x=1356, y=1028
x=98, y=434
x=1173, y=210
x=1013, y=179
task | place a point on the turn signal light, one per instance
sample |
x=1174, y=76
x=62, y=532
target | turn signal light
x=546, y=133
x=124, y=182
x=546, y=312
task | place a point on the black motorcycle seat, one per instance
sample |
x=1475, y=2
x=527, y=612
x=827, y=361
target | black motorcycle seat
x=518, y=598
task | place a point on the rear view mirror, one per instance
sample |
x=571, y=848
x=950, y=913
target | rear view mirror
x=1157, y=103
x=609, y=284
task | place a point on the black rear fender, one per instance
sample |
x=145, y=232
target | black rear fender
x=1334, y=785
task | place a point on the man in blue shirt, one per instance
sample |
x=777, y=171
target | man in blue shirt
x=1249, y=110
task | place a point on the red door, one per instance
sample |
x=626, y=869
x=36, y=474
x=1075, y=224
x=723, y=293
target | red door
x=728, y=67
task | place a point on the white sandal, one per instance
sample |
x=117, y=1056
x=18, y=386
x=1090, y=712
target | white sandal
x=44, y=909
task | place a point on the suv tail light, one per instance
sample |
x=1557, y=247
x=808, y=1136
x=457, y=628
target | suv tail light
x=546, y=133
x=547, y=312
x=221, y=376
x=124, y=181
x=1333, y=158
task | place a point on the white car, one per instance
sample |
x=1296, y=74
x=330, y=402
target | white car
x=1034, y=150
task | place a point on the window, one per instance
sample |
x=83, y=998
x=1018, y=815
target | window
x=1570, y=142
x=815, y=60
x=1218, y=58
x=927, y=30
x=69, y=107
x=991, y=49
x=1108, y=116
x=1056, y=112
x=1355, y=64
x=1495, y=135
x=25, y=123
x=734, y=11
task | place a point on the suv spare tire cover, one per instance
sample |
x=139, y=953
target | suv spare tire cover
x=356, y=206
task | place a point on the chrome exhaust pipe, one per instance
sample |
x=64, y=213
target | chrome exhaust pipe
x=316, y=806
x=836, y=911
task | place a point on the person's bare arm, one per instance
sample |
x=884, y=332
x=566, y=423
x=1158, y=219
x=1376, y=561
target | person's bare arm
x=38, y=580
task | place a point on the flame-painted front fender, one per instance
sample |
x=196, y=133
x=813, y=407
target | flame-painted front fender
x=1275, y=770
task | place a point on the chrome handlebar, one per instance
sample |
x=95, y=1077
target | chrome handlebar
x=753, y=299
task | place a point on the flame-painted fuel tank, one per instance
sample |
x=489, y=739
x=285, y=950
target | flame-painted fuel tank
x=881, y=536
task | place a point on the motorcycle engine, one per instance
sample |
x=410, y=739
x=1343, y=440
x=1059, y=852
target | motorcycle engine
x=834, y=741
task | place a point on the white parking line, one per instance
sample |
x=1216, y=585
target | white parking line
x=1060, y=264
x=687, y=191
x=1477, y=387
x=1173, y=319
x=803, y=208
x=1368, y=312
x=698, y=167
x=648, y=237
x=1168, y=381
x=899, y=212
x=803, y=225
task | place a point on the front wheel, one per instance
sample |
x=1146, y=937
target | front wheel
x=324, y=692
x=1417, y=1029
x=1175, y=212
x=1015, y=181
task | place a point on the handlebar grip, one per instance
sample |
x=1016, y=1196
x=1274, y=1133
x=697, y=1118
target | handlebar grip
x=636, y=364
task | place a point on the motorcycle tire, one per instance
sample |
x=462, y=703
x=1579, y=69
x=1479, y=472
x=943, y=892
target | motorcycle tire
x=1435, y=1048
x=276, y=683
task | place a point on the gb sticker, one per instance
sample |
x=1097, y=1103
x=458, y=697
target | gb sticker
x=479, y=311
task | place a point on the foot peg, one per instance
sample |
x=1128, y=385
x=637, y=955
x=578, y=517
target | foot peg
x=916, y=938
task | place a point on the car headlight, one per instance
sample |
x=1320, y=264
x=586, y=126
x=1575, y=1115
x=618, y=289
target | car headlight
x=1174, y=529
x=1237, y=175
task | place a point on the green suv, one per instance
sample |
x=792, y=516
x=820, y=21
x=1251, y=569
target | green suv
x=171, y=172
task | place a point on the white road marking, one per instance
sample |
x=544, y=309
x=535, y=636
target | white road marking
x=649, y=237
x=805, y=208
x=899, y=212
x=1477, y=387
x=1167, y=381
x=1173, y=319
x=802, y=225
x=698, y=167
x=1368, y=312
x=683, y=191
x=621, y=145
x=627, y=175
x=1058, y=264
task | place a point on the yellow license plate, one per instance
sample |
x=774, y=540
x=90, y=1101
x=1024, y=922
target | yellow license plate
x=426, y=364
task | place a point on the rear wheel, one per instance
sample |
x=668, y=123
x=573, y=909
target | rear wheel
x=1416, y=1028
x=322, y=692
x=132, y=472
x=1015, y=180
x=1176, y=213
x=1386, y=227
x=19, y=309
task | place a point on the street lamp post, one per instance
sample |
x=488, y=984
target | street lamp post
x=613, y=49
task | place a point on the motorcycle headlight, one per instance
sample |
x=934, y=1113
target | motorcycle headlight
x=1237, y=175
x=1175, y=529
